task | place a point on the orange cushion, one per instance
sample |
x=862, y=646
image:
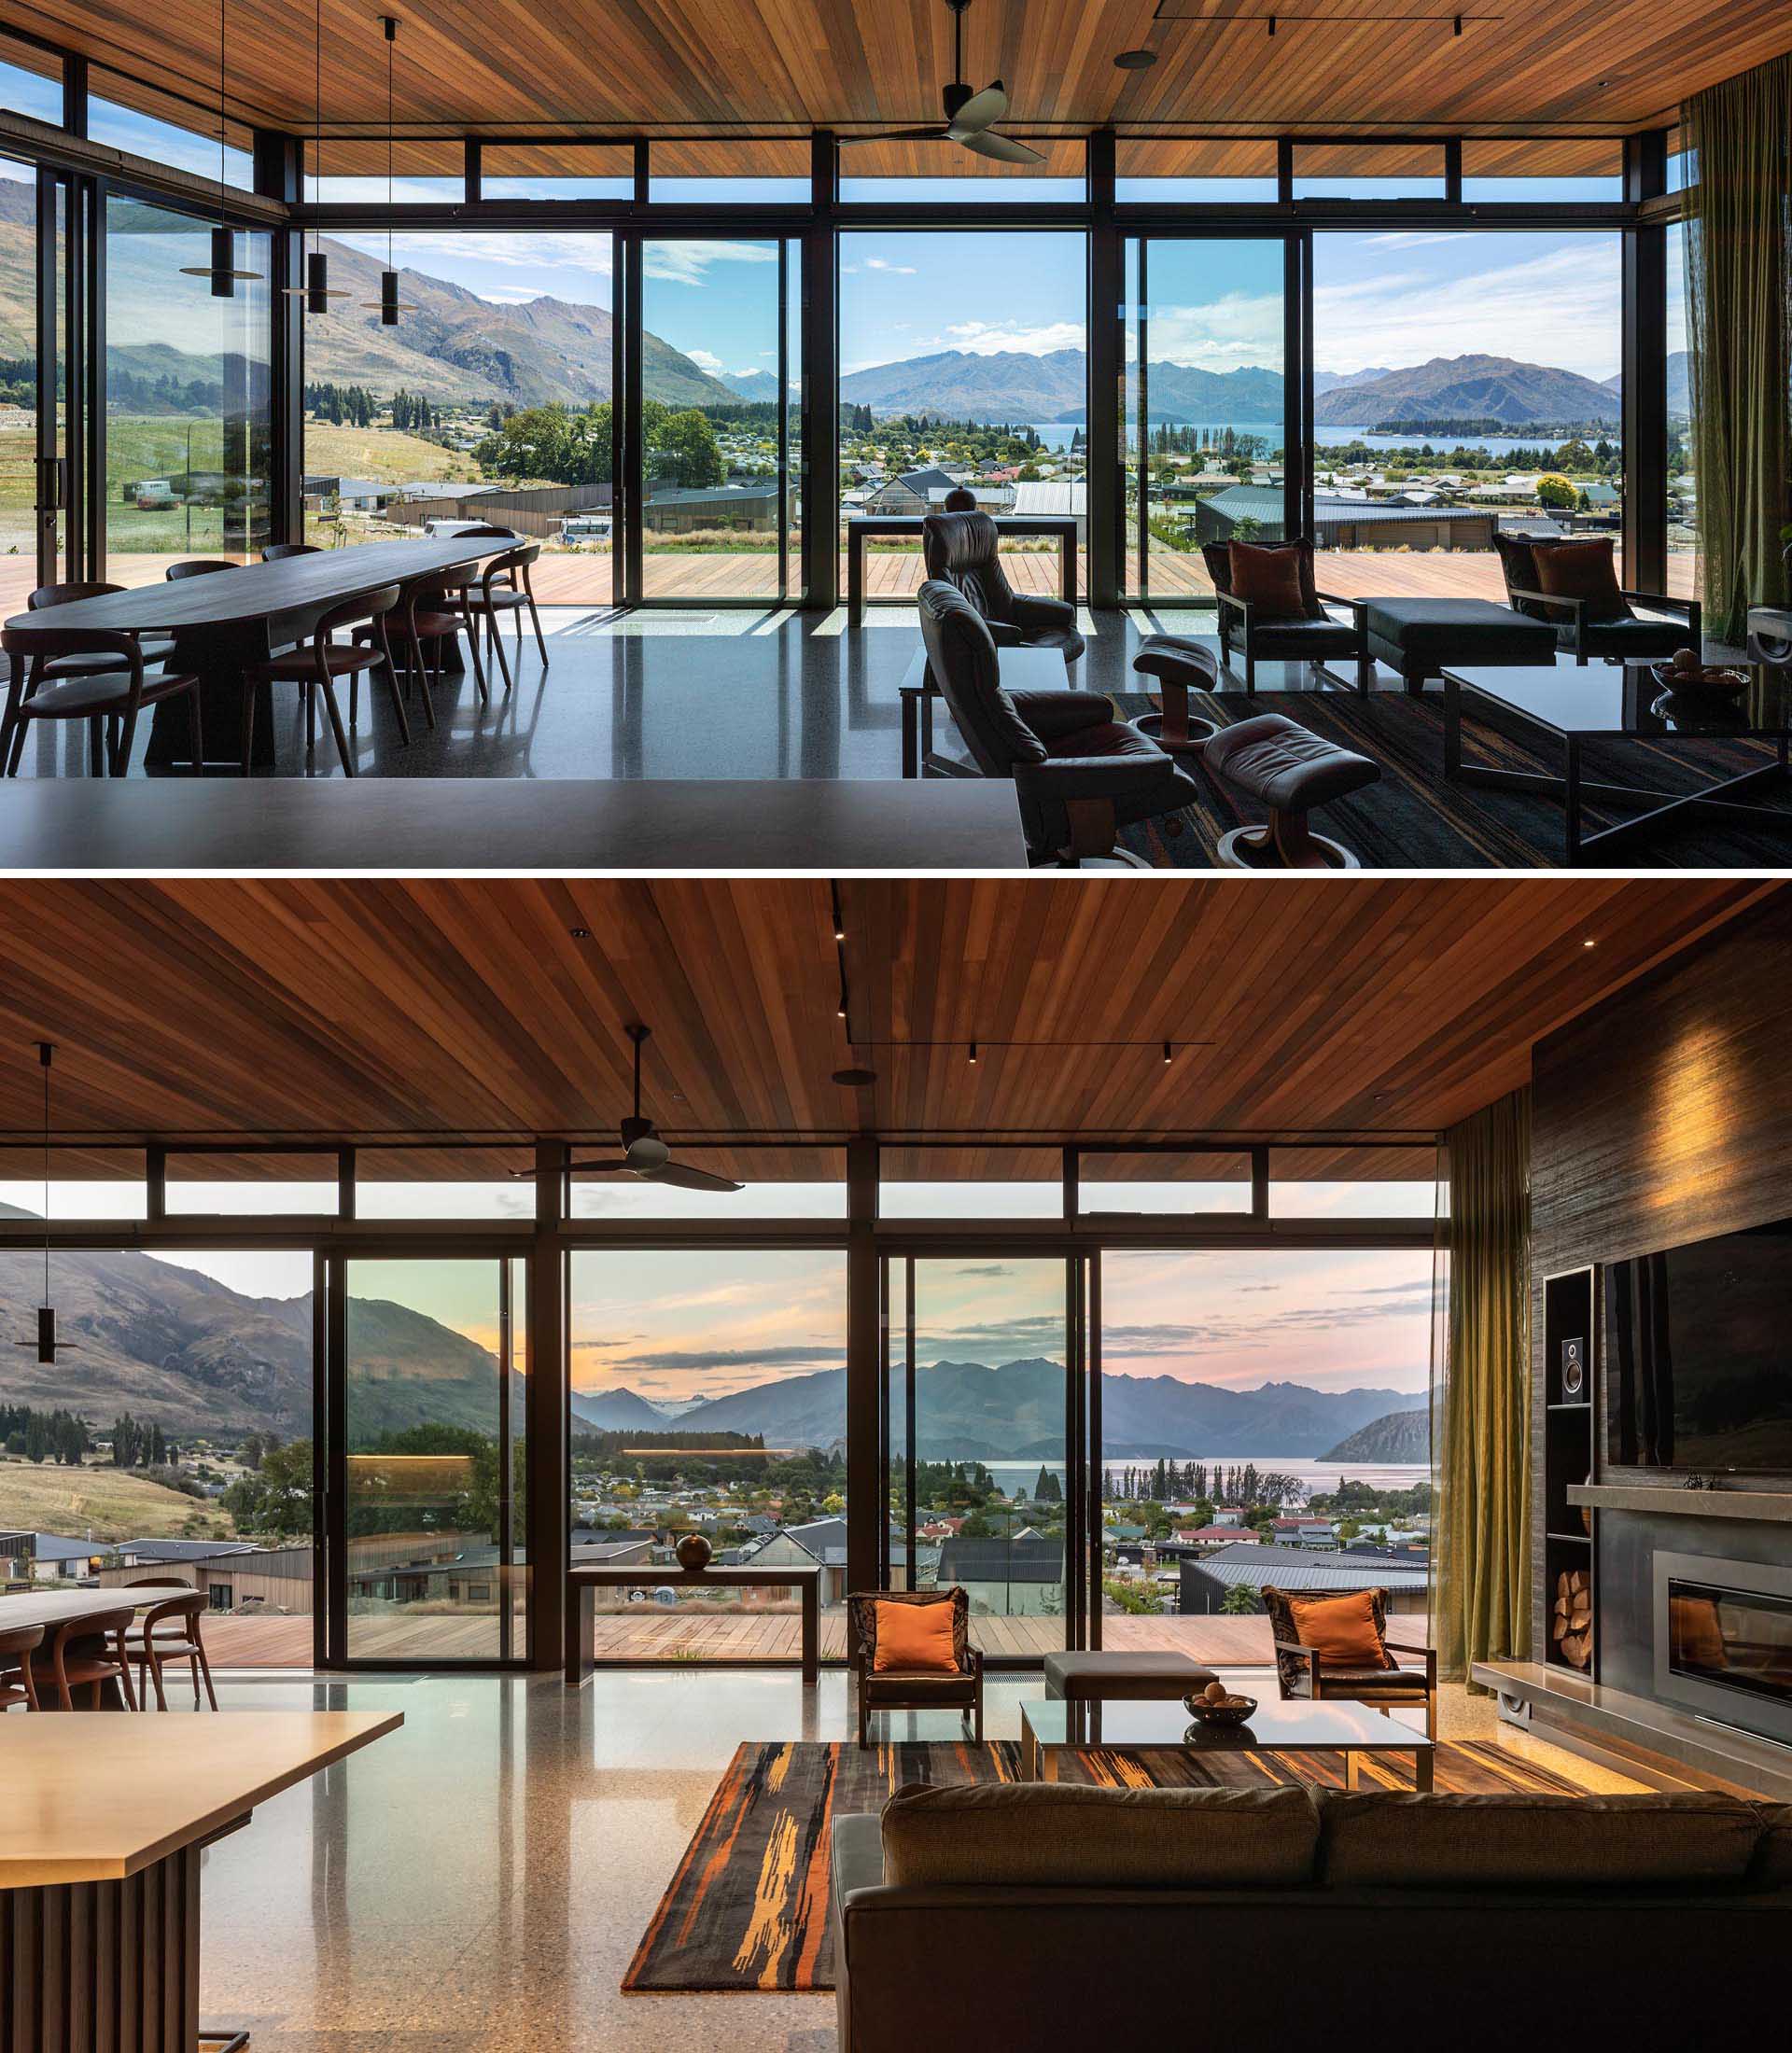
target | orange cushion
x=1342, y=1630
x=915, y=1638
x=1581, y=571
x=1268, y=577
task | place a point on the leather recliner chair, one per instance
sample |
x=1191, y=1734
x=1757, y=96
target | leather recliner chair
x=960, y=548
x=1082, y=774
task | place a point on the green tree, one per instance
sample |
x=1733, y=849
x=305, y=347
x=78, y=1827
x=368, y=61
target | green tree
x=275, y=1501
x=1240, y=1601
x=1556, y=490
x=686, y=451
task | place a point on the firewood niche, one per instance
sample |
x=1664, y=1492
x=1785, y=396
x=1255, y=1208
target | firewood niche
x=1571, y=1623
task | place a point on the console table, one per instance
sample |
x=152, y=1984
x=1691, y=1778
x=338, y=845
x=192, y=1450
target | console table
x=1062, y=525
x=1022, y=669
x=582, y=1583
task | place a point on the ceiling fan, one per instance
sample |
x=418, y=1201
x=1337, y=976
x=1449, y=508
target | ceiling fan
x=969, y=117
x=644, y=1153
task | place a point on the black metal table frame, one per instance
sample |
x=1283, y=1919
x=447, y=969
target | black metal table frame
x=1717, y=800
x=860, y=526
x=583, y=1582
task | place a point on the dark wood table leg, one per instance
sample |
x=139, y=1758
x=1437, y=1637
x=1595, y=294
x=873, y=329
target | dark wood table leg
x=855, y=579
x=911, y=733
x=811, y=1632
x=1423, y=1770
x=1067, y=569
x=1571, y=802
x=216, y=658
x=580, y=1665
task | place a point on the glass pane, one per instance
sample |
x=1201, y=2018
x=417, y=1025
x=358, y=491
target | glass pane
x=1353, y=1183
x=187, y=396
x=172, y=1442
x=444, y=1184
x=1204, y=172
x=1205, y=346
x=714, y=500
x=1552, y=168
x=513, y=426
x=990, y=1460
x=433, y=1396
x=1369, y=171
x=1464, y=384
x=251, y=1182
x=30, y=81
x=84, y=1183
x=964, y=361
x=556, y=171
x=349, y=173
x=781, y=1184
x=1150, y=1182
x=19, y=521
x=1683, y=489
x=709, y=1395
x=971, y=1183
x=925, y=171
x=124, y=115
x=761, y=173
x=1260, y=1407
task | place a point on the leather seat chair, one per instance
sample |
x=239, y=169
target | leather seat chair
x=916, y=1689
x=1613, y=629
x=1310, y=635
x=1082, y=773
x=960, y=549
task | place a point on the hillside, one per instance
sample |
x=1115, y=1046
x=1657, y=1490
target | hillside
x=110, y=1504
x=1497, y=388
x=615, y=1411
x=1401, y=1436
x=969, y=1410
x=1013, y=385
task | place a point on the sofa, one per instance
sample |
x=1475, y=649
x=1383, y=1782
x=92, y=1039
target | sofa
x=1047, y=1914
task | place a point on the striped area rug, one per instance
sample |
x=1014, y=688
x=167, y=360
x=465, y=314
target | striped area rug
x=747, y=1908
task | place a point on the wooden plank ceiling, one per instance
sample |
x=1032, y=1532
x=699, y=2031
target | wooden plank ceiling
x=461, y=1010
x=657, y=66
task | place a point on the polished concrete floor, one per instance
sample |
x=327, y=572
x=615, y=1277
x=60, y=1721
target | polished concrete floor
x=723, y=694
x=479, y=1879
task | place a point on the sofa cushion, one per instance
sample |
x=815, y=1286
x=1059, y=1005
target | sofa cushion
x=1268, y=576
x=1459, y=631
x=1345, y=1632
x=1772, y=1867
x=1070, y=1836
x=1581, y=571
x=1389, y=1840
x=914, y=1638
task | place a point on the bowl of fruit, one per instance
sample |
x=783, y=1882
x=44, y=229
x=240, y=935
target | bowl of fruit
x=1216, y=1705
x=1685, y=671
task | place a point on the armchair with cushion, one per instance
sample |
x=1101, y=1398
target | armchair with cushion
x=1270, y=604
x=1332, y=1648
x=1081, y=773
x=1572, y=584
x=961, y=548
x=928, y=1661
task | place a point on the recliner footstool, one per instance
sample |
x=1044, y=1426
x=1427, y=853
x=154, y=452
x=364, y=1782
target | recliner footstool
x=1119, y=1677
x=1418, y=636
x=1285, y=767
x=1180, y=665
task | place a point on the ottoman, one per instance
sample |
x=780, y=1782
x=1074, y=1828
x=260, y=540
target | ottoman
x=1180, y=665
x=1288, y=769
x=1418, y=636
x=1091, y=1678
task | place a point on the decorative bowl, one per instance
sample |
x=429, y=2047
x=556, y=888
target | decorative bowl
x=1727, y=680
x=694, y=1552
x=1235, y=1710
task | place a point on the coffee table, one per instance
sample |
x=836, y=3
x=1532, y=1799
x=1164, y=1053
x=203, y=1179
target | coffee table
x=1049, y=1728
x=1616, y=704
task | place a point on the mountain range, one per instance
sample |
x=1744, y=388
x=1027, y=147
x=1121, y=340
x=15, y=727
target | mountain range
x=1469, y=388
x=1401, y=1436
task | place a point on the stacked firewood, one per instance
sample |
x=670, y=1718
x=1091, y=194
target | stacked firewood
x=1572, y=1625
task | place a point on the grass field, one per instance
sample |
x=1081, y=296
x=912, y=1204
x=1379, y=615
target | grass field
x=109, y=1503
x=382, y=453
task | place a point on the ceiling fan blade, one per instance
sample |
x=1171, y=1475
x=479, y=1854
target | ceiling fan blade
x=899, y=135
x=598, y=1169
x=691, y=1179
x=980, y=111
x=1003, y=147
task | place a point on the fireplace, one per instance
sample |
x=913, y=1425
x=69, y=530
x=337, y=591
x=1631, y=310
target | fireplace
x=1723, y=1641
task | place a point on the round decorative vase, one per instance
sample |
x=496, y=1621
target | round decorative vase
x=694, y=1552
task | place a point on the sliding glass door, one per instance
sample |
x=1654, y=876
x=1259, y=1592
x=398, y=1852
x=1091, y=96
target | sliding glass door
x=1207, y=407
x=33, y=449
x=427, y=1388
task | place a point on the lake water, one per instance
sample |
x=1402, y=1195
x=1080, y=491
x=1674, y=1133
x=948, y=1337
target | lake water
x=1057, y=435
x=1317, y=1477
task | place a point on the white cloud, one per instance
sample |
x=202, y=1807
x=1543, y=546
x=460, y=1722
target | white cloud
x=991, y=338
x=879, y=264
x=1225, y=333
x=687, y=263
x=704, y=359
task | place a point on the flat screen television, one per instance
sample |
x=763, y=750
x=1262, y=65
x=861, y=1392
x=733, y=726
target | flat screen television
x=1699, y=1355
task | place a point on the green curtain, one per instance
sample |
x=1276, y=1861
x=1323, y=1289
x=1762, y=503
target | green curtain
x=1480, y=1595
x=1739, y=336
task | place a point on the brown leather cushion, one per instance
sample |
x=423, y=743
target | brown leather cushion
x=1390, y=1839
x=1286, y=766
x=1104, y=738
x=1070, y=1836
x=1266, y=575
x=914, y=1638
x=1344, y=1632
x=1581, y=571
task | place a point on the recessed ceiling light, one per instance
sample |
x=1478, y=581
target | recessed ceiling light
x=1136, y=60
x=1590, y=945
x=580, y=933
x=853, y=1079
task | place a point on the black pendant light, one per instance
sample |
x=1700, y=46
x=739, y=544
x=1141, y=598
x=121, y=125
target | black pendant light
x=388, y=303
x=315, y=290
x=222, y=269
x=45, y=1341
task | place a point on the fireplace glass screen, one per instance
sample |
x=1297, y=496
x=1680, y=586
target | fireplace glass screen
x=1737, y=1639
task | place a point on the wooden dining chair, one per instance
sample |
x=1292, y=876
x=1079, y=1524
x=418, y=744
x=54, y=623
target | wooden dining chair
x=437, y=609
x=87, y=1653
x=279, y=552
x=108, y=699
x=198, y=567
x=318, y=661
x=505, y=587
x=170, y=1632
x=156, y=648
x=17, y=1686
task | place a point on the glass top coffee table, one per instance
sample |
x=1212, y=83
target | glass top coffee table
x=1615, y=703
x=1050, y=1727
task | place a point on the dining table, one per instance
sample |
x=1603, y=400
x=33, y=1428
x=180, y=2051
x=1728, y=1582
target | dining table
x=57, y=1607
x=223, y=620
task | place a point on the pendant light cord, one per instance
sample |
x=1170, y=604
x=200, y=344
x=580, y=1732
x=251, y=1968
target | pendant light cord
x=45, y=1057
